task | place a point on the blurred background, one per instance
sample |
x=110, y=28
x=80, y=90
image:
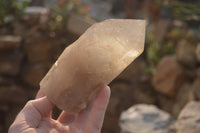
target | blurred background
x=149, y=94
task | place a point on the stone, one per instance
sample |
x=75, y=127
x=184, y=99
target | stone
x=164, y=102
x=101, y=10
x=4, y=80
x=162, y=29
x=9, y=42
x=196, y=89
x=12, y=94
x=32, y=74
x=130, y=74
x=10, y=63
x=184, y=95
x=198, y=52
x=39, y=50
x=1, y=80
x=169, y=76
x=142, y=118
x=189, y=118
x=12, y=113
x=143, y=93
x=120, y=100
x=78, y=24
x=36, y=15
x=185, y=54
x=93, y=61
x=19, y=28
x=127, y=89
x=138, y=81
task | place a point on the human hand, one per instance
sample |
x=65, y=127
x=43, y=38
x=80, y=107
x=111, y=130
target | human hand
x=35, y=117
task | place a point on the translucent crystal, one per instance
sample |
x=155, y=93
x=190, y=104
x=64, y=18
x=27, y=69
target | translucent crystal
x=93, y=61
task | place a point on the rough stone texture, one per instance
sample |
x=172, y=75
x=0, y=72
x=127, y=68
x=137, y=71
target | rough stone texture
x=39, y=50
x=135, y=68
x=113, y=43
x=12, y=94
x=12, y=113
x=196, y=86
x=185, y=53
x=161, y=30
x=8, y=42
x=128, y=88
x=198, y=52
x=33, y=74
x=6, y=81
x=168, y=79
x=78, y=25
x=189, y=119
x=165, y=102
x=35, y=15
x=143, y=118
x=184, y=95
x=10, y=63
x=120, y=100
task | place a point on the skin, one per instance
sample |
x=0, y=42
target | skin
x=35, y=117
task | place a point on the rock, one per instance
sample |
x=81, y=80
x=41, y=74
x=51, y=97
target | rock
x=12, y=94
x=120, y=100
x=130, y=74
x=142, y=93
x=196, y=88
x=184, y=95
x=164, y=102
x=9, y=42
x=36, y=15
x=4, y=80
x=189, y=119
x=185, y=54
x=80, y=64
x=10, y=63
x=2, y=119
x=12, y=113
x=128, y=88
x=139, y=81
x=39, y=50
x=169, y=76
x=100, y=10
x=33, y=74
x=1, y=80
x=78, y=24
x=161, y=30
x=19, y=28
x=198, y=52
x=143, y=118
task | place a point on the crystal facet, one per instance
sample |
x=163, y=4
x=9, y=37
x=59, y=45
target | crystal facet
x=93, y=61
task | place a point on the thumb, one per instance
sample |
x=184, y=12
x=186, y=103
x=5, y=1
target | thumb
x=34, y=111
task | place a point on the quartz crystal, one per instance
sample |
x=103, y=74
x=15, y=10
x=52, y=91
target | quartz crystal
x=93, y=61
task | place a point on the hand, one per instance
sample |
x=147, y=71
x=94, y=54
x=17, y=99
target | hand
x=35, y=117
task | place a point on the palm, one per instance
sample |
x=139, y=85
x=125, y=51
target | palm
x=35, y=117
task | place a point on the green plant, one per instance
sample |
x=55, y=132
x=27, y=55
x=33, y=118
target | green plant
x=156, y=51
x=62, y=11
x=11, y=9
x=188, y=12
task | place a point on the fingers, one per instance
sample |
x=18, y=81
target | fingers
x=96, y=117
x=43, y=106
x=34, y=111
x=82, y=118
x=79, y=119
x=66, y=118
x=40, y=94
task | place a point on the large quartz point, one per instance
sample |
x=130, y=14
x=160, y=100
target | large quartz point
x=93, y=61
